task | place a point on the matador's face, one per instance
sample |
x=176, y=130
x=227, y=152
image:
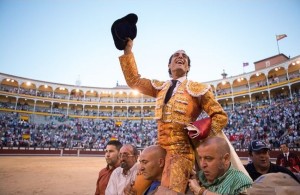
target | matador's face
x=179, y=64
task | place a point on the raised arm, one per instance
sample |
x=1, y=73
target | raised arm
x=130, y=71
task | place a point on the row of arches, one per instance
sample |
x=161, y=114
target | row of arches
x=74, y=109
x=244, y=83
x=264, y=95
x=255, y=89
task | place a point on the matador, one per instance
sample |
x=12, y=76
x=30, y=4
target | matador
x=186, y=103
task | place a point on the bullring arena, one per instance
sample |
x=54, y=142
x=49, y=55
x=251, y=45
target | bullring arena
x=28, y=175
x=34, y=174
x=52, y=135
x=55, y=175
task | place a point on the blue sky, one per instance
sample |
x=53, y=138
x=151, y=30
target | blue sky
x=65, y=40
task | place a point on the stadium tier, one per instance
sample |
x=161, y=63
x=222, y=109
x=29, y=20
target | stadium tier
x=263, y=104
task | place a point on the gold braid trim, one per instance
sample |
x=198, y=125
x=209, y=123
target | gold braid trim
x=129, y=69
x=133, y=78
x=158, y=84
x=212, y=107
x=196, y=89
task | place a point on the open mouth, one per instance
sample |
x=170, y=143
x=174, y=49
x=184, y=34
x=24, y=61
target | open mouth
x=179, y=61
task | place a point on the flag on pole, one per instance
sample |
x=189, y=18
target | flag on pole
x=245, y=64
x=279, y=37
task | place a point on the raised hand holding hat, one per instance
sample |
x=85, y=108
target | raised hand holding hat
x=124, y=28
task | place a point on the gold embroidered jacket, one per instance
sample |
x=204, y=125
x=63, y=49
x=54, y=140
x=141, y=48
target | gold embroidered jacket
x=189, y=100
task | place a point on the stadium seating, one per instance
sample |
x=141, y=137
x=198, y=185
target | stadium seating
x=263, y=104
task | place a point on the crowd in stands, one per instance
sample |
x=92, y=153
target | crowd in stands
x=69, y=133
x=274, y=123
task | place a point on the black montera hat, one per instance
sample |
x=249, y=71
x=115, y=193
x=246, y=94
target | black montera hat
x=124, y=28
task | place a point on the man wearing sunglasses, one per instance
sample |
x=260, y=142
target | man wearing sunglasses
x=127, y=171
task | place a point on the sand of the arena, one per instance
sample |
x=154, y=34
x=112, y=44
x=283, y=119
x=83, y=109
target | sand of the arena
x=49, y=175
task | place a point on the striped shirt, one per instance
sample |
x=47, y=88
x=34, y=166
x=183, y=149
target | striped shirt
x=233, y=182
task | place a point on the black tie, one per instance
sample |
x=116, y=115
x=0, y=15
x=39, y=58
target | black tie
x=170, y=91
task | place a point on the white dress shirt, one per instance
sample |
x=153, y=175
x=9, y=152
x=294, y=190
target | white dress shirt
x=118, y=181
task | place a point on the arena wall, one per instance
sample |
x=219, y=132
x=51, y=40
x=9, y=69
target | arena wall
x=24, y=151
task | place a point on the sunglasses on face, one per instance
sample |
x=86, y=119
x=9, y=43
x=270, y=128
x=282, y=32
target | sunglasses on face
x=125, y=155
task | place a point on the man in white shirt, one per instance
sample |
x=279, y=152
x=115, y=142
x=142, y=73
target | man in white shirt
x=124, y=174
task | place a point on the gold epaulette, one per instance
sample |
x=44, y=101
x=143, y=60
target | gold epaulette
x=196, y=89
x=158, y=84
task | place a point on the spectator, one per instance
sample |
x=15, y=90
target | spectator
x=274, y=124
x=217, y=175
x=288, y=160
x=113, y=161
x=259, y=153
x=126, y=173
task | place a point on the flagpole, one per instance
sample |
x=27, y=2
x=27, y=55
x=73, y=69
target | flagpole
x=277, y=44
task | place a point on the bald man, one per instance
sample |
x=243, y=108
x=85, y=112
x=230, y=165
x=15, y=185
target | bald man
x=152, y=162
x=217, y=175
